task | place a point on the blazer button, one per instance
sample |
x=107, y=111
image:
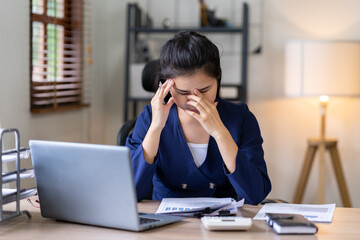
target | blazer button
x=184, y=186
x=211, y=185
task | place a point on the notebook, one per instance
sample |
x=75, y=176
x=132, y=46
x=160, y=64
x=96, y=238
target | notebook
x=290, y=224
x=89, y=184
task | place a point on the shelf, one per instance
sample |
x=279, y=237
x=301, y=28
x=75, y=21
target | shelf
x=11, y=155
x=9, y=195
x=136, y=26
x=11, y=177
x=174, y=30
x=230, y=85
x=13, y=194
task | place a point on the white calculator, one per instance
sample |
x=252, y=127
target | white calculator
x=226, y=223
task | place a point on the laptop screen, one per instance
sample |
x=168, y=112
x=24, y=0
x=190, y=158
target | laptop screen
x=85, y=183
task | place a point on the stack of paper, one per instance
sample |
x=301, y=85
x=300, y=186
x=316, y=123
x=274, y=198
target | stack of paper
x=11, y=176
x=9, y=194
x=312, y=212
x=194, y=206
x=11, y=156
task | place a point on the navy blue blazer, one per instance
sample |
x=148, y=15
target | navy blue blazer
x=174, y=173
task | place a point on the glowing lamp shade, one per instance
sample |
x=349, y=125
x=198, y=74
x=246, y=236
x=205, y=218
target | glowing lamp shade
x=314, y=68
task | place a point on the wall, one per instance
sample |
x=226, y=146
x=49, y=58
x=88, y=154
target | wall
x=285, y=123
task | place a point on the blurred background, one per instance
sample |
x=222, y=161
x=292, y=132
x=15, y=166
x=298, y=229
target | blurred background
x=286, y=123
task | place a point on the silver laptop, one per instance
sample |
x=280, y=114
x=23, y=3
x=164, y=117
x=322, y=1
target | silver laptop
x=89, y=184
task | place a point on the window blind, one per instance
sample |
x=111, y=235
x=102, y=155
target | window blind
x=56, y=55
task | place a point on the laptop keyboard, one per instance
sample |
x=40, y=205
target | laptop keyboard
x=144, y=220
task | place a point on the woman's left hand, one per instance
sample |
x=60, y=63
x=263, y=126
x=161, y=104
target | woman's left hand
x=206, y=114
x=209, y=118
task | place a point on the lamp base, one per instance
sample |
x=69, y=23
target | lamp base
x=329, y=144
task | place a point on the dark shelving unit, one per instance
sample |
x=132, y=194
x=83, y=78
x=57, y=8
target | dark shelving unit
x=135, y=27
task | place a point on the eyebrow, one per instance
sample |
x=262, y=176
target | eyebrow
x=185, y=91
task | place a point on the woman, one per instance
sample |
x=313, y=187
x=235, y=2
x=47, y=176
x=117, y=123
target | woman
x=196, y=144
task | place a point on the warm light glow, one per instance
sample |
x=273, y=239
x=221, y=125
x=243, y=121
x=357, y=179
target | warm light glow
x=324, y=99
x=315, y=68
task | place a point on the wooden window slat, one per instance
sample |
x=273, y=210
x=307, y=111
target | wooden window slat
x=57, y=94
x=59, y=80
x=53, y=101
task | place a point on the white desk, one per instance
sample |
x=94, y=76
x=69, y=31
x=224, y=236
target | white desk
x=345, y=225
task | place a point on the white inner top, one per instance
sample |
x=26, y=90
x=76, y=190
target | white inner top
x=198, y=152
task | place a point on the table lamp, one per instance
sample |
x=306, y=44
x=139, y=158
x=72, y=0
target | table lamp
x=322, y=68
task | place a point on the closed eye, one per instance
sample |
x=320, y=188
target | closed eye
x=205, y=89
x=202, y=90
x=182, y=93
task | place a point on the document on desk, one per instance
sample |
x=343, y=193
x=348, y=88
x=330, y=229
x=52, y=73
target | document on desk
x=191, y=206
x=9, y=194
x=312, y=212
x=11, y=176
x=12, y=155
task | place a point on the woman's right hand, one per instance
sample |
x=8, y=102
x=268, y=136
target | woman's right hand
x=160, y=111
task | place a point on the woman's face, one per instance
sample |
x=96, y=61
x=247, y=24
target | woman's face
x=185, y=85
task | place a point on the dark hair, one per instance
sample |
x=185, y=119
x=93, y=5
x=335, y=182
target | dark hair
x=188, y=52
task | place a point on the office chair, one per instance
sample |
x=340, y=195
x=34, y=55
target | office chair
x=124, y=131
x=150, y=79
